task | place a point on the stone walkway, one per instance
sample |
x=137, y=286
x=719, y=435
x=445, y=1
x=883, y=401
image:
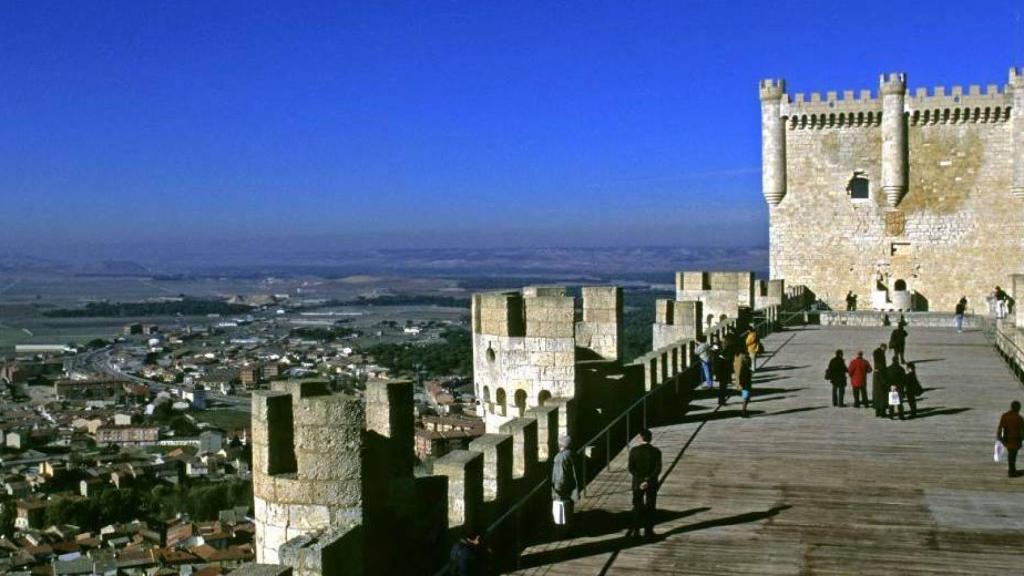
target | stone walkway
x=804, y=488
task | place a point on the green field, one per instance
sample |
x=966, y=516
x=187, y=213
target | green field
x=225, y=419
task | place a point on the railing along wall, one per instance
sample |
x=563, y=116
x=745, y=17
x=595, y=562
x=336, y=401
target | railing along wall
x=1008, y=340
x=670, y=374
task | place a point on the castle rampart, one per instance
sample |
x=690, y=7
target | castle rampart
x=911, y=198
x=334, y=488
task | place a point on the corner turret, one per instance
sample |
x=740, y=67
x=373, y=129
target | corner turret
x=893, y=89
x=773, y=140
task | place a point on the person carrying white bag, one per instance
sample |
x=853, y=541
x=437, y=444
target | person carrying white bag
x=564, y=486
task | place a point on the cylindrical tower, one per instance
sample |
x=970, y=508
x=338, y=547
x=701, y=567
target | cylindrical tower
x=1017, y=125
x=893, y=89
x=773, y=141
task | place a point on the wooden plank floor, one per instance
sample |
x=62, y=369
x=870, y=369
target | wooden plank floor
x=804, y=488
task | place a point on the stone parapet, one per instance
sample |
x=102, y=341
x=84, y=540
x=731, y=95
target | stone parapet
x=524, y=446
x=465, y=472
x=497, y=453
x=601, y=328
x=547, y=430
x=873, y=318
x=389, y=415
x=335, y=552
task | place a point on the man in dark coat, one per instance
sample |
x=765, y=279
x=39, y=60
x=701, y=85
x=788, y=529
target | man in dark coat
x=1010, y=433
x=836, y=374
x=912, y=388
x=879, y=389
x=469, y=556
x=895, y=376
x=898, y=342
x=723, y=367
x=564, y=486
x=645, y=467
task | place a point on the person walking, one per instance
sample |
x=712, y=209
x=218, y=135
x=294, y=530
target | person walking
x=1009, y=432
x=723, y=367
x=468, y=556
x=859, y=369
x=703, y=351
x=564, y=486
x=753, y=344
x=895, y=377
x=912, y=388
x=836, y=374
x=645, y=468
x=961, y=308
x=898, y=341
x=879, y=389
x=744, y=376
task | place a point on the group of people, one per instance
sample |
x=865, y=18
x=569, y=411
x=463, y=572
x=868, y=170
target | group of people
x=893, y=384
x=732, y=360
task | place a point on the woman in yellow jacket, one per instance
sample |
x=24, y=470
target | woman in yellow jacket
x=753, y=344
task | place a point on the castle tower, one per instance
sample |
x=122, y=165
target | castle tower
x=525, y=347
x=307, y=464
x=1017, y=87
x=893, y=89
x=773, y=141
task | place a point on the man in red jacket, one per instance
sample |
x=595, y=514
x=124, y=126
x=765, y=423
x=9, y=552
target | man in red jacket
x=859, y=369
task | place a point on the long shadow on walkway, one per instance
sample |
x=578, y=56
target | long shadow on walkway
x=602, y=523
x=930, y=411
x=782, y=368
x=624, y=542
x=795, y=410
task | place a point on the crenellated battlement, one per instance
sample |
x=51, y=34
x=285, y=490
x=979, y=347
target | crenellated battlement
x=772, y=88
x=323, y=463
x=923, y=106
x=526, y=345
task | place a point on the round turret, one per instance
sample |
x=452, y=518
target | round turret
x=773, y=140
x=893, y=89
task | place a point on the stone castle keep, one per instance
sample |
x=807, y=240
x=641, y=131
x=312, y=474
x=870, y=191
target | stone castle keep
x=907, y=198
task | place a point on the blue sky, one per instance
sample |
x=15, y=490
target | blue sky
x=443, y=123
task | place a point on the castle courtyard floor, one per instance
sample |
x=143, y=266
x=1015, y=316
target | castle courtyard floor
x=805, y=488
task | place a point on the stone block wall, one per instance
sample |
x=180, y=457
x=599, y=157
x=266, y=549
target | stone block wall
x=721, y=293
x=601, y=328
x=307, y=465
x=675, y=320
x=941, y=214
x=326, y=467
x=525, y=345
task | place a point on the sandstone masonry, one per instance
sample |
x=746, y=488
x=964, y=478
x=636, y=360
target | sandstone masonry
x=909, y=199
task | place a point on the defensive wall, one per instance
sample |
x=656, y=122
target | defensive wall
x=903, y=190
x=333, y=473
